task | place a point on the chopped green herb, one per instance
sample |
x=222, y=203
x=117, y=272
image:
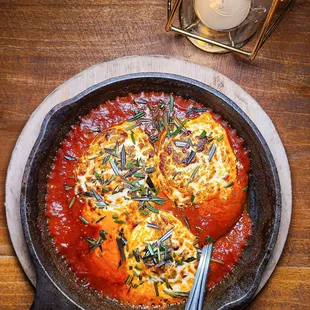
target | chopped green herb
x=70, y=158
x=114, y=216
x=230, y=184
x=101, y=204
x=220, y=138
x=88, y=194
x=83, y=220
x=150, y=170
x=119, y=222
x=133, y=138
x=190, y=259
x=210, y=239
x=203, y=134
x=171, y=103
x=68, y=187
x=129, y=279
x=123, y=158
x=194, y=172
x=114, y=167
x=176, y=294
x=156, y=288
x=115, y=190
x=217, y=261
x=212, y=151
x=99, y=178
x=136, y=116
x=71, y=202
x=131, y=127
x=139, y=175
x=186, y=221
x=192, y=198
x=152, y=225
x=245, y=188
x=175, y=174
x=96, y=195
x=196, y=207
x=189, y=158
x=143, y=212
x=152, y=209
x=150, y=248
x=103, y=217
x=121, y=244
x=106, y=159
x=179, y=128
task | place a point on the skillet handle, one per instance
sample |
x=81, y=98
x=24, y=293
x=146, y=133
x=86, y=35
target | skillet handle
x=48, y=297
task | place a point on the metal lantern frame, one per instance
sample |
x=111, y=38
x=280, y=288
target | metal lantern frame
x=267, y=29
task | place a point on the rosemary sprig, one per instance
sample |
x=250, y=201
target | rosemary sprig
x=152, y=225
x=106, y=159
x=220, y=138
x=190, y=259
x=212, y=151
x=83, y=220
x=99, y=178
x=217, y=261
x=179, y=128
x=181, y=143
x=132, y=136
x=114, y=167
x=136, y=116
x=97, y=196
x=156, y=288
x=196, y=110
x=102, y=218
x=68, y=187
x=176, y=294
x=121, y=244
x=210, y=239
x=194, y=172
x=230, y=184
x=186, y=221
x=71, y=202
x=152, y=209
x=123, y=158
x=171, y=105
x=70, y=158
x=190, y=157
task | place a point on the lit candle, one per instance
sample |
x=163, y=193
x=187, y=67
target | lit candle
x=222, y=14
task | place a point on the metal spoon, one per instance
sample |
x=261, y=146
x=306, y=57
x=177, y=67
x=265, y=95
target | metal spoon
x=196, y=296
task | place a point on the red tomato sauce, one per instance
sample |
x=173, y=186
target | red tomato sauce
x=224, y=221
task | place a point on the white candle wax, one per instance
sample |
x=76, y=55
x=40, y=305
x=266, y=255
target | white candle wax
x=222, y=14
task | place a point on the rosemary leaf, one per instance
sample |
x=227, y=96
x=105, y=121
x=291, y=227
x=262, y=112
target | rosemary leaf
x=71, y=202
x=136, y=116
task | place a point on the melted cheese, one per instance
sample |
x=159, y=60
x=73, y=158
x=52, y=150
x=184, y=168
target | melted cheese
x=206, y=176
x=179, y=273
x=95, y=172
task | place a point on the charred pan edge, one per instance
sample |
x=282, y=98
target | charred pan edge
x=242, y=301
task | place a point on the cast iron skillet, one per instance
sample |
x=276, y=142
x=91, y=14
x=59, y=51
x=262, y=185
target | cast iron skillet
x=57, y=287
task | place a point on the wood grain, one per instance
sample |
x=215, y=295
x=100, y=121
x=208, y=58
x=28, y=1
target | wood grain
x=43, y=43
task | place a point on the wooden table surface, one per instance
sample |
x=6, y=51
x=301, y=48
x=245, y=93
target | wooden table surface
x=45, y=42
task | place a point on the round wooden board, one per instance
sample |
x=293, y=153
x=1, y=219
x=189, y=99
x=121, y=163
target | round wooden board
x=122, y=66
